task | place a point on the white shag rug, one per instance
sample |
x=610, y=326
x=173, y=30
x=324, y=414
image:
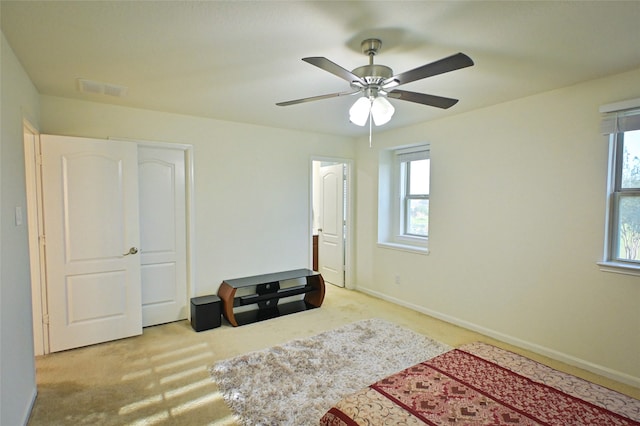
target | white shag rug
x=297, y=382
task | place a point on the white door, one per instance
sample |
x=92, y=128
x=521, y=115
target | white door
x=161, y=174
x=90, y=203
x=331, y=232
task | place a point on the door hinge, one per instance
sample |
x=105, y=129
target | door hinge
x=43, y=240
x=45, y=319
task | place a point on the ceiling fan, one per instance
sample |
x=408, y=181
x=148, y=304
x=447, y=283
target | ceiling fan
x=377, y=83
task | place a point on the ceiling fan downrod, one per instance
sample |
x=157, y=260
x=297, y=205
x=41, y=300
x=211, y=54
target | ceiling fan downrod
x=372, y=74
x=370, y=48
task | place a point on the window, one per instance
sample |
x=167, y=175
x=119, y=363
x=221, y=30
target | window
x=414, y=168
x=625, y=203
x=403, y=198
x=622, y=246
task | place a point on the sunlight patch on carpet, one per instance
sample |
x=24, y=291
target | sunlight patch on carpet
x=297, y=382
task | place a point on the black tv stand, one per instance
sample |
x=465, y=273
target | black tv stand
x=267, y=295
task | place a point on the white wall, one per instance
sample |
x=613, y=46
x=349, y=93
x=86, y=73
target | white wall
x=517, y=226
x=19, y=99
x=252, y=183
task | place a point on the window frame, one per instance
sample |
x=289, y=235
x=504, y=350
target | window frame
x=392, y=200
x=618, y=118
x=616, y=193
x=406, y=197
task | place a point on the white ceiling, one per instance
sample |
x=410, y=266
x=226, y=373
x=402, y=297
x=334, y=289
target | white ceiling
x=235, y=60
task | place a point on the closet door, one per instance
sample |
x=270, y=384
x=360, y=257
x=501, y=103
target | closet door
x=91, y=229
x=163, y=228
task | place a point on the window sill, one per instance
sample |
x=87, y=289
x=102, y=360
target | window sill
x=404, y=247
x=619, y=268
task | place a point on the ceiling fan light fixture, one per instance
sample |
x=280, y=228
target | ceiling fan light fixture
x=381, y=110
x=359, y=111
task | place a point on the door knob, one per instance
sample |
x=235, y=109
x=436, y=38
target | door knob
x=132, y=250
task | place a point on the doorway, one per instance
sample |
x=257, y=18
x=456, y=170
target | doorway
x=331, y=219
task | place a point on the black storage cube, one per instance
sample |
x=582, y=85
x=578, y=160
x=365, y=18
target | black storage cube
x=205, y=312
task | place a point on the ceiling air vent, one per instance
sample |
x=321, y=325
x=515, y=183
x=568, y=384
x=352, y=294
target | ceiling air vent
x=98, y=88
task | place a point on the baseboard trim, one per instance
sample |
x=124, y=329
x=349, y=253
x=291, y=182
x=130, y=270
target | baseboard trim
x=29, y=407
x=542, y=350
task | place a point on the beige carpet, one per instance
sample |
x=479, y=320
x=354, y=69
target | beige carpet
x=162, y=377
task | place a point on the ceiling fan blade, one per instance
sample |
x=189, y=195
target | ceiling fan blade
x=423, y=98
x=317, y=98
x=450, y=63
x=334, y=69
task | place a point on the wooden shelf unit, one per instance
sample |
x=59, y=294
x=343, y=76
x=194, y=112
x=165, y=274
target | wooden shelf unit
x=267, y=294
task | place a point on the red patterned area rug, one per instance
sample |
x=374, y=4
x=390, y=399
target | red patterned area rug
x=469, y=387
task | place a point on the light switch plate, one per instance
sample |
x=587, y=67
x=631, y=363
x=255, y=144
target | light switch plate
x=18, y=215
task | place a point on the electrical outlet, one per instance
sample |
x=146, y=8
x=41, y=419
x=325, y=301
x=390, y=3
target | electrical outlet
x=397, y=279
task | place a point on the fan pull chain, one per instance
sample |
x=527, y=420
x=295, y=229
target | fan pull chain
x=370, y=127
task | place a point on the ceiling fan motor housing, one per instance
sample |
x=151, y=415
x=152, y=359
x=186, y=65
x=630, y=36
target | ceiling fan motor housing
x=374, y=73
